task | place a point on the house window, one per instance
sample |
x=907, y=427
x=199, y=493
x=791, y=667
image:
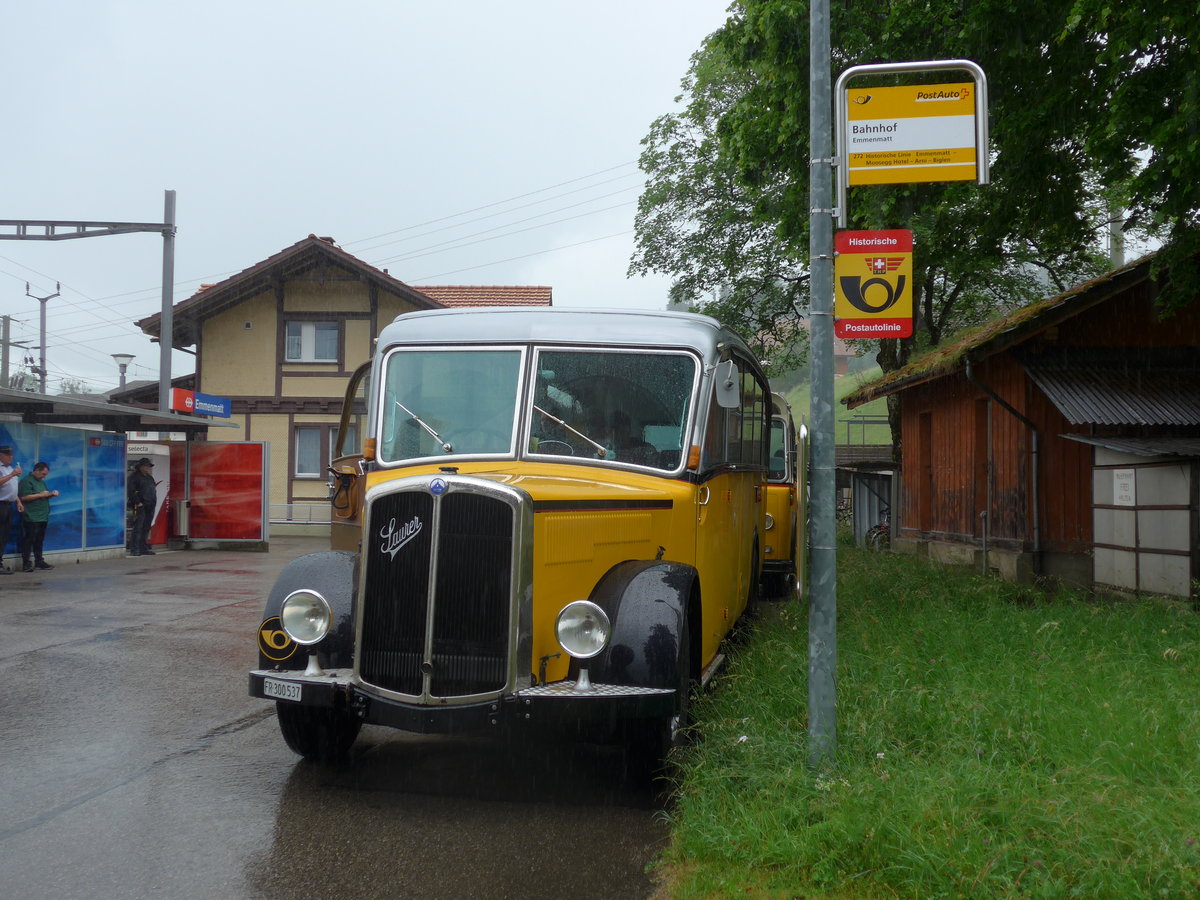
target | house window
x=312, y=342
x=315, y=448
x=308, y=443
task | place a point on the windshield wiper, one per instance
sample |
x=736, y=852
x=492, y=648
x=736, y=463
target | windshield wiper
x=446, y=446
x=601, y=450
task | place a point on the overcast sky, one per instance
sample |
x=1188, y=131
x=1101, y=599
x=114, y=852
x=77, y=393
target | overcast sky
x=462, y=142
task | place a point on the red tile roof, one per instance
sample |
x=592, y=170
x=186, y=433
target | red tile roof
x=459, y=295
x=304, y=255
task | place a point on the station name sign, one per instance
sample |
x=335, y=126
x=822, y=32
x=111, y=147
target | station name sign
x=196, y=403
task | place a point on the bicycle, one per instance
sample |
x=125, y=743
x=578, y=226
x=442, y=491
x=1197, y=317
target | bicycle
x=879, y=535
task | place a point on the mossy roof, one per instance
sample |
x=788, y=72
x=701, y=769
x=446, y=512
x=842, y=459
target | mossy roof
x=1003, y=332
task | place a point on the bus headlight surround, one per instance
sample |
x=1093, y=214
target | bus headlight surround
x=306, y=617
x=583, y=629
x=770, y=522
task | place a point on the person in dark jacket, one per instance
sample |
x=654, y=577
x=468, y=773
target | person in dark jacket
x=143, y=498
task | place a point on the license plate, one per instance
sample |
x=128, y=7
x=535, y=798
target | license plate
x=281, y=690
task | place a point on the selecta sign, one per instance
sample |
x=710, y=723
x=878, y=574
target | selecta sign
x=872, y=276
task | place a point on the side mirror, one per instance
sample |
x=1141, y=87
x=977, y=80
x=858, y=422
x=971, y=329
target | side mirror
x=726, y=385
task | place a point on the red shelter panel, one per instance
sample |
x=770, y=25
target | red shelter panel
x=227, y=486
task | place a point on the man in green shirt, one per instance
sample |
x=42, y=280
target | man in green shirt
x=36, y=496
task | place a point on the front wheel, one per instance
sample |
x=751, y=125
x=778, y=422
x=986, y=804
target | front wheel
x=649, y=741
x=319, y=735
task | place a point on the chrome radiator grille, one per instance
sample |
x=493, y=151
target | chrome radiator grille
x=437, y=595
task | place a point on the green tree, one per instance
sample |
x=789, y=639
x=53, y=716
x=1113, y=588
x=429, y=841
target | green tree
x=71, y=384
x=1145, y=105
x=1062, y=153
x=698, y=221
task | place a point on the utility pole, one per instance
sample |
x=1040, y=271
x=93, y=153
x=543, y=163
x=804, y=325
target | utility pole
x=166, y=320
x=42, y=335
x=5, y=336
x=822, y=609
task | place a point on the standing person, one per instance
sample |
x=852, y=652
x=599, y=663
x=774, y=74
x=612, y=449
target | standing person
x=8, y=499
x=143, y=497
x=34, y=494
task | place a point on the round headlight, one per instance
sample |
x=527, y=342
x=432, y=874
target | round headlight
x=770, y=522
x=306, y=617
x=582, y=629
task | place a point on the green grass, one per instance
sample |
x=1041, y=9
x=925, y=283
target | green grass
x=800, y=400
x=992, y=742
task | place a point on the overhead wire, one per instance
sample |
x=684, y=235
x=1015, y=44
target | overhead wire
x=506, y=212
x=138, y=296
x=497, y=262
x=416, y=254
x=495, y=203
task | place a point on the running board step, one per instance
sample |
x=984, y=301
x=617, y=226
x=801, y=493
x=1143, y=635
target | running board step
x=711, y=669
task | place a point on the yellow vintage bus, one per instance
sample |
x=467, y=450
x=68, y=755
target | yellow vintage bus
x=785, y=523
x=539, y=514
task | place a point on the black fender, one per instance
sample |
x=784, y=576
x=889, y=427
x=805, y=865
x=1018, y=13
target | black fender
x=647, y=602
x=334, y=575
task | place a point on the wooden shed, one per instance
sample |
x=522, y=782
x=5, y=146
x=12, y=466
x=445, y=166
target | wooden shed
x=1009, y=436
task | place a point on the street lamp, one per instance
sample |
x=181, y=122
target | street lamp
x=122, y=360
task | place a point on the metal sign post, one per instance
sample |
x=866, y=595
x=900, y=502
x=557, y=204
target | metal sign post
x=59, y=230
x=918, y=147
x=822, y=606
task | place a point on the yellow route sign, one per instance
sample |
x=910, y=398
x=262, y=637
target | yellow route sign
x=897, y=135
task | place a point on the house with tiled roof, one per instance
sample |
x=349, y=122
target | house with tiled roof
x=281, y=339
x=456, y=295
x=1061, y=440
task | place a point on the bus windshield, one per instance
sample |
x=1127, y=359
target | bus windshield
x=617, y=406
x=438, y=402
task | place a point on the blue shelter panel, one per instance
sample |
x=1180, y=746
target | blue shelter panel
x=87, y=468
x=23, y=439
x=105, y=491
x=62, y=450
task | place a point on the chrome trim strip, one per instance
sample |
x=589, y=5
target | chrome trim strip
x=435, y=546
x=569, y=689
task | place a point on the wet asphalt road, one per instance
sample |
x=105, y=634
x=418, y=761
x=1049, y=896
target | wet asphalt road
x=133, y=764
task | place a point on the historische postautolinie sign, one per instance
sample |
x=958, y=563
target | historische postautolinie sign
x=872, y=275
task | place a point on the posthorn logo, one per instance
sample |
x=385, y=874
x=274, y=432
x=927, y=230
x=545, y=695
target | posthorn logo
x=857, y=292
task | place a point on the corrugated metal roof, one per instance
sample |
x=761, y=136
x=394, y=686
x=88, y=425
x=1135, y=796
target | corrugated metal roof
x=1005, y=332
x=1157, y=446
x=1120, y=386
